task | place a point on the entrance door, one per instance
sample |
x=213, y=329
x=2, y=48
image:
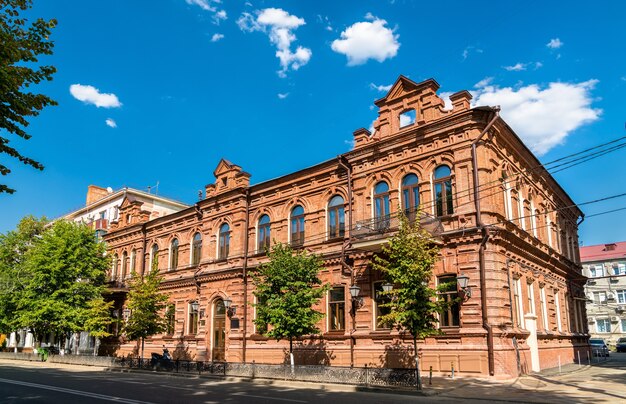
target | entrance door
x=219, y=331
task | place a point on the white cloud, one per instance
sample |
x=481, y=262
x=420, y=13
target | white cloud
x=466, y=52
x=367, y=40
x=484, y=82
x=280, y=25
x=111, y=123
x=538, y=65
x=381, y=88
x=543, y=117
x=91, y=95
x=282, y=96
x=220, y=15
x=555, y=43
x=445, y=96
x=518, y=67
x=208, y=5
x=203, y=4
x=216, y=37
x=326, y=21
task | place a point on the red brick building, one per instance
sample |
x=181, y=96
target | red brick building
x=501, y=219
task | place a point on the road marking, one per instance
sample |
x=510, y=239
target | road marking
x=268, y=398
x=76, y=392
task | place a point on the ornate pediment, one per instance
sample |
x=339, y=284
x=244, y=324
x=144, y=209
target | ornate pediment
x=228, y=176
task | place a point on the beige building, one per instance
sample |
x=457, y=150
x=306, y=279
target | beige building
x=499, y=217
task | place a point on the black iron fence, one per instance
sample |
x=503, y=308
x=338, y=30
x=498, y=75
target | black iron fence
x=382, y=225
x=365, y=376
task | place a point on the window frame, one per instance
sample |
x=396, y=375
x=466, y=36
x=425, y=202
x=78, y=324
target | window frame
x=337, y=309
x=450, y=318
x=154, y=253
x=193, y=317
x=174, y=246
x=124, y=265
x=297, y=226
x=378, y=299
x=410, y=195
x=445, y=191
x=223, y=242
x=336, y=224
x=196, y=249
x=607, y=323
x=170, y=319
x=264, y=233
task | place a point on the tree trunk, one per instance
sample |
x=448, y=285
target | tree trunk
x=417, y=364
x=291, y=353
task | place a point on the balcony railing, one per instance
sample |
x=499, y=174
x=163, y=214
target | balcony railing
x=383, y=226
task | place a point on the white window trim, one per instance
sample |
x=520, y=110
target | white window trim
x=557, y=305
x=520, y=200
x=533, y=219
x=531, y=295
x=507, y=196
x=517, y=284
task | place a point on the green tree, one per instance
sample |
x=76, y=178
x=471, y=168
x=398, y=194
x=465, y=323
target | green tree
x=97, y=319
x=288, y=287
x=13, y=248
x=21, y=45
x=65, y=269
x=407, y=262
x=146, y=305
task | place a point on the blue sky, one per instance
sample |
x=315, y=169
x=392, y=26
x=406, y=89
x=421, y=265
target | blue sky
x=159, y=91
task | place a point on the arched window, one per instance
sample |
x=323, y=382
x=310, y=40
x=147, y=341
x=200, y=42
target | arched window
x=336, y=217
x=154, y=257
x=116, y=259
x=174, y=254
x=381, y=205
x=263, y=237
x=124, y=263
x=410, y=195
x=133, y=259
x=224, y=241
x=297, y=225
x=443, y=191
x=196, y=249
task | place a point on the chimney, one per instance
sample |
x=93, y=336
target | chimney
x=461, y=100
x=95, y=193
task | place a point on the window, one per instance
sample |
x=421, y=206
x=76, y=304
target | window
x=443, y=191
x=133, y=258
x=154, y=257
x=114, y=269
x=124, y=263
x=264, y=238
x=599, y=297
x=170, y=319
x=407, y=118
x=621, y=296
x=193, y=319
x=623, y=323
x=410, y=195
x=337, y=308
x=544, y=308
x=224, y=241
x=297, y=225
x=336, y=218
x=557, y=307
x=619, y=268
x=381, y=205
x=517, y=302
x=603, y=326
x=259, y=329
x=448, y=293
x=380, y=299
x=531, y=298
x=596, y=271
x=196, y=249
x=174, y=254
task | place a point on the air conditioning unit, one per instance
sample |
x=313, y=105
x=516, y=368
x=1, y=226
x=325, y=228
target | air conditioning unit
x=615, y=319
x=620, y=309
x=592, y=320
x=610, y=297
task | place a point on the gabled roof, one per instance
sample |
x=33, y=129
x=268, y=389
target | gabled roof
x=603, y=252
x=404, y=85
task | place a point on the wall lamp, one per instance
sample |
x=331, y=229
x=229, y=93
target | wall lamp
x=230, y=309
x=357, y=302
x=463, y=285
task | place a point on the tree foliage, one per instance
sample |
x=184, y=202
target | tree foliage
x=287, y=288
x=14, y=246
x=147, y=306
x=21, y=45
x=64, y=270
x=407, y=262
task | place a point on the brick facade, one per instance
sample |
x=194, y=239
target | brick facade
x=515, y=228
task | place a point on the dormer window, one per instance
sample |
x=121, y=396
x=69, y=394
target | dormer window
x=610, y=247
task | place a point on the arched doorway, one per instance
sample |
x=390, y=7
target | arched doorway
x=219, y=331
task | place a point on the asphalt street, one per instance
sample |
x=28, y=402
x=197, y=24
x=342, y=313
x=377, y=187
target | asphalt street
x=36, y=382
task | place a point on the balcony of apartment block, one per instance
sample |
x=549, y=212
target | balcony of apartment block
x=99, y=226
x=371, y=234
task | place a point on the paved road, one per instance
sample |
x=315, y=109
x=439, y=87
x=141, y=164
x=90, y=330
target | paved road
x=49, y=383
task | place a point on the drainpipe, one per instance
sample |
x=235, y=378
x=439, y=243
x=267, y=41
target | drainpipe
x=346, y=165
x=245, y=276
x=481, y=249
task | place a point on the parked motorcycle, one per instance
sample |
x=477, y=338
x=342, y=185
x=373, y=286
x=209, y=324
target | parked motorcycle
x=164, y=361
